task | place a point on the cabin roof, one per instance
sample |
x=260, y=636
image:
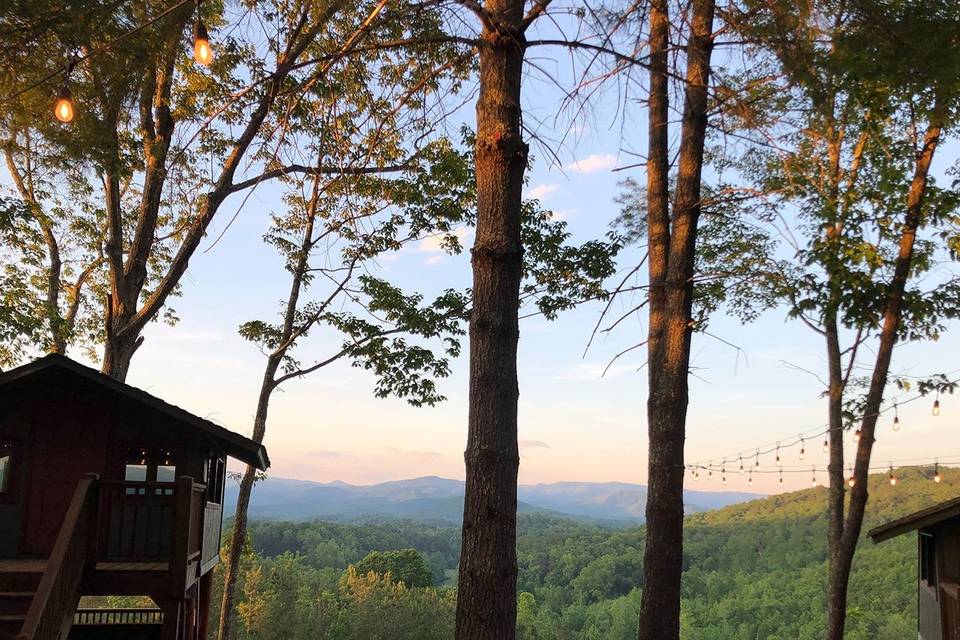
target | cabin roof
x=923, y=518
x=233, y=444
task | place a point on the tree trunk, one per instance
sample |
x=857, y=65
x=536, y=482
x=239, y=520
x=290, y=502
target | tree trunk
x=486, y=591
x=671, y=269
x=842, y=561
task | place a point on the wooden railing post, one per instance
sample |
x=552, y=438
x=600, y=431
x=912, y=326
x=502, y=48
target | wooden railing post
x=181, y=534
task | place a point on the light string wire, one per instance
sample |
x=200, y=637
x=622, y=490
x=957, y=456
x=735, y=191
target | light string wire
x=801, y=438
x=927, y=462
x=95, y=52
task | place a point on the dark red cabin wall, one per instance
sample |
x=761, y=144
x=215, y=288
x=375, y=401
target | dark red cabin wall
x=67, y=431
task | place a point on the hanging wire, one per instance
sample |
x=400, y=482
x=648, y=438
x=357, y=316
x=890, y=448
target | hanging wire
x=95, y=52
x=775, y=446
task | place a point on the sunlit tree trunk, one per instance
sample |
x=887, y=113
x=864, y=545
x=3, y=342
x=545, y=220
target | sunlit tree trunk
x=672, y=246
x=486, y=588
x=842, y=550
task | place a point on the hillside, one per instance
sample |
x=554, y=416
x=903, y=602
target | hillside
x=753, y=571
x=441, y=500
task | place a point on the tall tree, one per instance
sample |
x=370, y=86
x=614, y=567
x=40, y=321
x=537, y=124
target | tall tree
x=672, y=241
x=487, y=582
x=158, y=144
x=850, y=128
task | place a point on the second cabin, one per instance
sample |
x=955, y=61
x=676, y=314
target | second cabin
x=106, y=490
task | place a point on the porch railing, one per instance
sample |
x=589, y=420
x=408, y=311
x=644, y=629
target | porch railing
x=87, y=617
x=58, y=592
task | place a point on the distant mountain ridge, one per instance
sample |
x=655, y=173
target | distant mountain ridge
x=441, y=499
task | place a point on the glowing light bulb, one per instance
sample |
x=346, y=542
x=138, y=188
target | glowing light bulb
x=202, y=51
x=779, y=462
x=781, y=479
x=893, y=478
x=63, y=108
x=803, y=454
x=826, y=447
x=936, y=407
x=896, y=423
x=852, y=480
x=741, y=465
x=936, y=473
x=856, y=435
x=750, y=480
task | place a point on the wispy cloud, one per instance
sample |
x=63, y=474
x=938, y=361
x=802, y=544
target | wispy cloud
x=434, y=244
x=414, y=456
x=435, y=260
x=532, y=444
x=595, y=371
x=324, y=453
x=541, y=191
x=593, y=163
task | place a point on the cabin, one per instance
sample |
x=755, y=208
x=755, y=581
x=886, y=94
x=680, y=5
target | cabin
x=938, y=566
x=106, y=490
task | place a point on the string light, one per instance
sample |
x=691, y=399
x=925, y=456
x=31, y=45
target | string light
x=781, y=477
x=936, y=472
x=853, y=479
x=63, y=106
x=723, y=472
x=779, y=461
x=803, y=452
x=750, y=479
x=896, y=417
x=757, y=463
x=826, y=446
x=936, y=405
x=741, y=465
x=856, y=435
x=202, y=51
x=813, y=478
x=893, y=478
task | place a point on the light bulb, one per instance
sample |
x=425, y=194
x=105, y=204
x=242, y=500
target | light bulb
x=896, y=423
x=779, y=463
x=750, y=480
x=803, y=454
x=63, y=108
x=936, y=473
x=856, y=435
x=893, y=479
x=852, y=481
x=724, y=478
x=813, y=481
x=781, y=479
x=826, y=447
x=936, y=407
x=741, y=465
x=202, y=51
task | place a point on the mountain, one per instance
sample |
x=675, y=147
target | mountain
x=441, y=499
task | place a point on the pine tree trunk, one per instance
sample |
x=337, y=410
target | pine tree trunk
x=671, y=268
x=232, y=567
x=486, y=590
x=841, y=561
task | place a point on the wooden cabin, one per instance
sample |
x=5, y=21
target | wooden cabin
x=938, y=566
x=106, y=490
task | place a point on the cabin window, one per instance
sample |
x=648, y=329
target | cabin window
x=6, y=468
x=928, y=560
x=215, y=473
x=166, y=473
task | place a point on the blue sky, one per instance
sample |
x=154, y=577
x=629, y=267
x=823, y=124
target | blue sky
x=574, y=423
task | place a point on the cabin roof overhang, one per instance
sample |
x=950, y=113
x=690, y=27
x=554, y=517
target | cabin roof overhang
x=53, y=366
x=923, y=518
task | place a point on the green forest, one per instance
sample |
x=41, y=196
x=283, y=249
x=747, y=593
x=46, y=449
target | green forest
x=754, y=570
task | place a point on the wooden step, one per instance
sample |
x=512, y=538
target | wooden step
x=15, y=602
x=10, y=626
x=21, y=575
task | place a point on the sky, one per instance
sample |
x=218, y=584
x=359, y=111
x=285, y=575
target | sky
x=576, y=423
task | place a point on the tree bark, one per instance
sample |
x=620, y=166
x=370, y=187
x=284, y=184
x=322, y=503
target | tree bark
x=486, y=591
x=671, y=268
x=842, y=561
